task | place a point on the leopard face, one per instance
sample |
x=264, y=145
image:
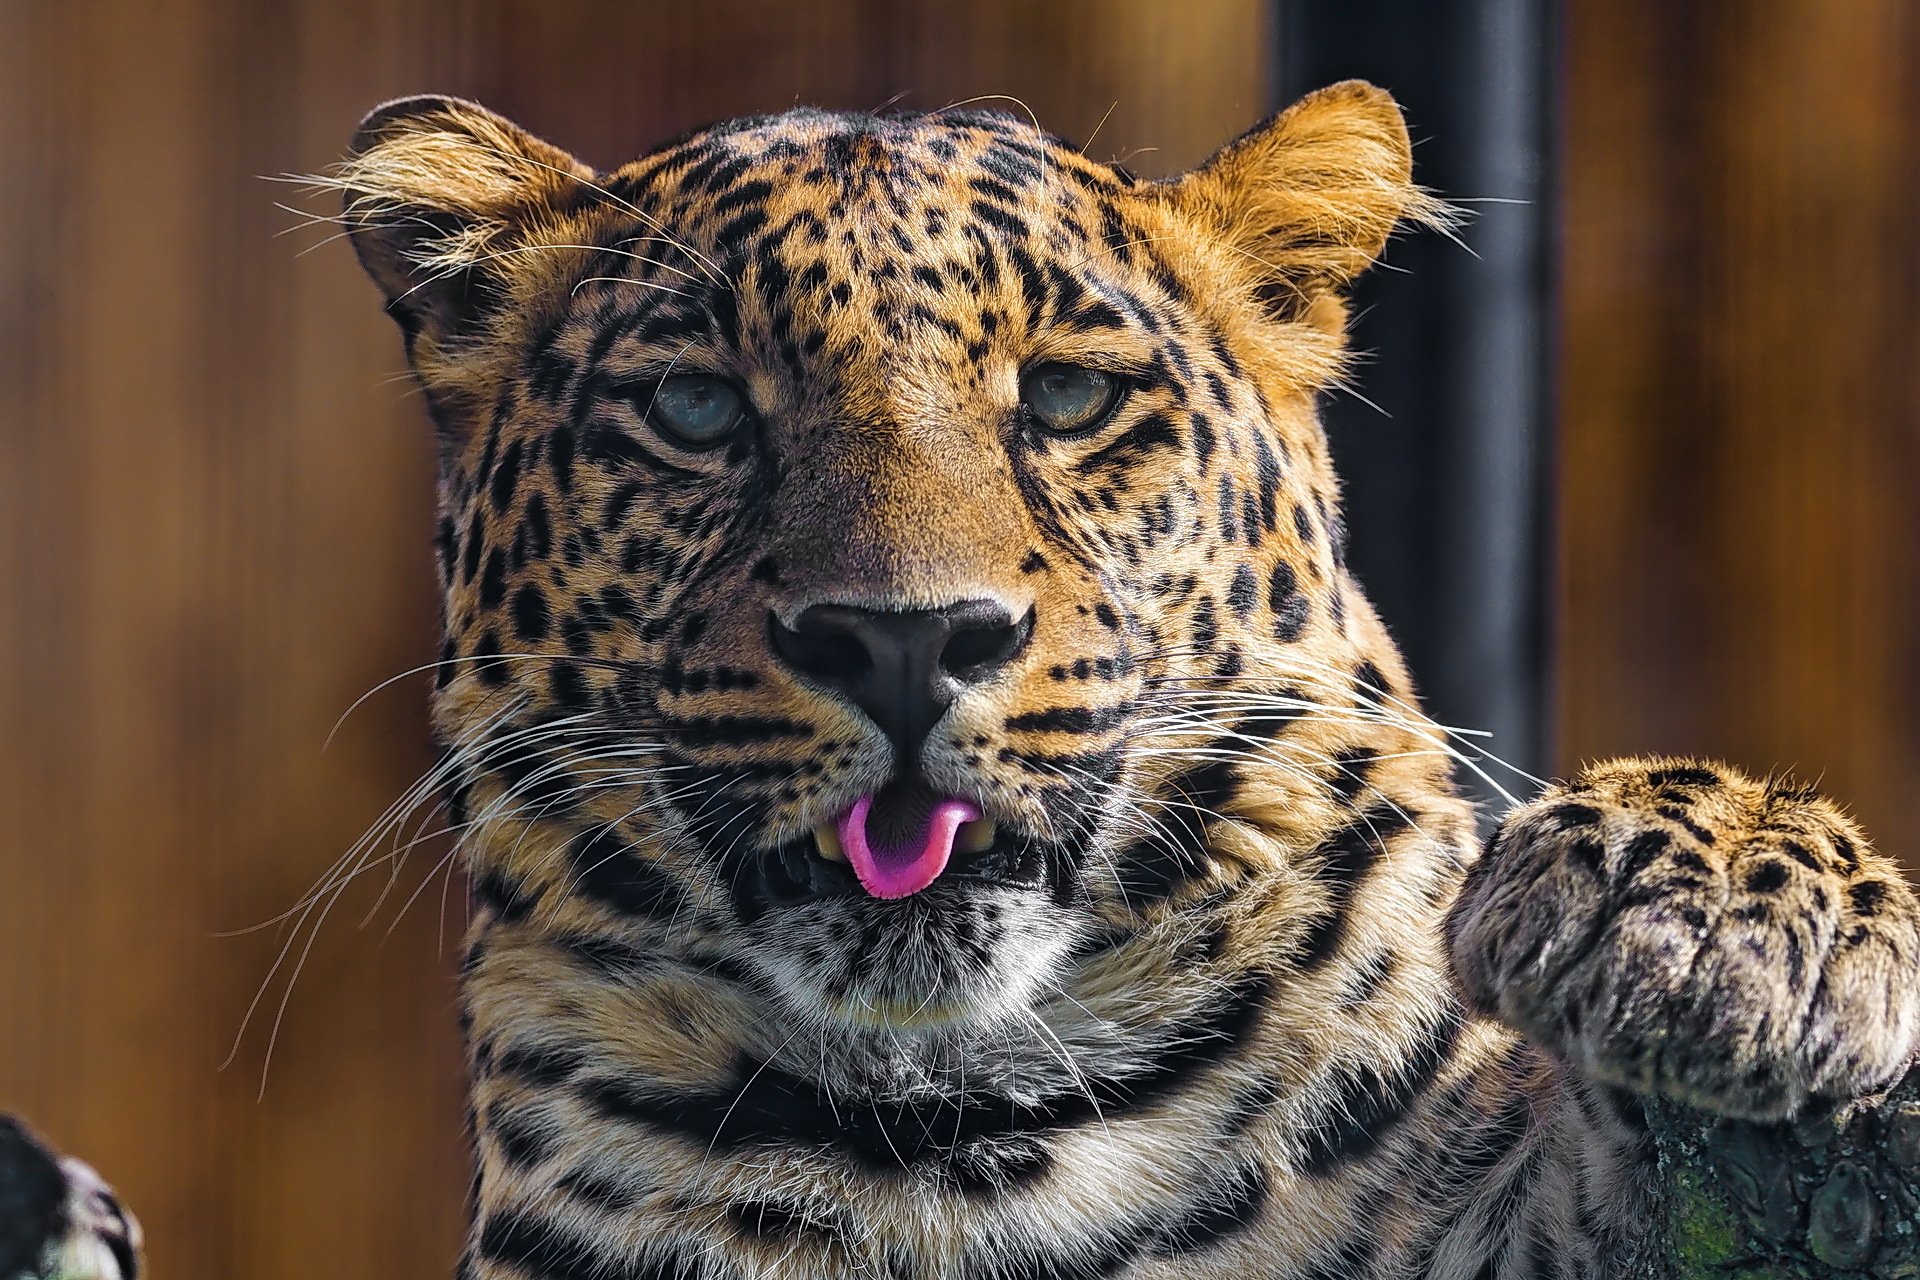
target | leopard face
x=870, y=545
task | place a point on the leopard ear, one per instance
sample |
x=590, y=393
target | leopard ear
x=435, y=189
x=1308, y=198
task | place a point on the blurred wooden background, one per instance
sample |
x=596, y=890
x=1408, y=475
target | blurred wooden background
x=1740, y=391
x=215, y=498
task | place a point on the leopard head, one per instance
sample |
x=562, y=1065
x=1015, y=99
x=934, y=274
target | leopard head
x=885, y=553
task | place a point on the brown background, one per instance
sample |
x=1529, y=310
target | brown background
x=215, y=495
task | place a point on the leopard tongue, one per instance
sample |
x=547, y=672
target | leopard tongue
x=899, y=870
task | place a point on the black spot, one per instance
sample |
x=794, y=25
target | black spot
x=543, y=1066
x=1349, y=854
x=539, y=528
x=521, y=1136
x=493, y=583
x=991, y=1169
x=1683, y=777
x=446, y=547
x=609, y=1194
x=507, y=899
x=473, y=544
x=1372, y=684
x=560, y=457
x=1368, y=1099
x=619, y=503
x=1589, y=853
x=1801, y=854
x=606, y=869
x=735, y=731
x=771, y=1220
x=1566, y=817
x=533, y=1245
x=1673, y=813
x=1151, y=433
x=568, y=686
x=1154, y=867
x=1867, y=897
x=607, y=956
x=488, y=667
x=1068, y=720
x=505, y=476
x=619, y=603
x=1289, y=605
x=531, y=621
x=1303, y=524
x=550, y=369
x=1222, y=1214
x=1688, y=860
x=1242, y=593
x=1642, y=851
x=1351, y=767
x=1206, y=627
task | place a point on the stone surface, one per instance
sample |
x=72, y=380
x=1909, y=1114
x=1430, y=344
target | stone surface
x=1831, y=1197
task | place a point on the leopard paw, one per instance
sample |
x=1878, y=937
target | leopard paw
x=1674, y=928
x=58, y=1220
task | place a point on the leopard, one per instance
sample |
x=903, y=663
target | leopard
x=935, y=801
x=59, y=1220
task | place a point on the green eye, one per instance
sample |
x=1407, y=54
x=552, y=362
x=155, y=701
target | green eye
x=697, y=410
x=1066, y=399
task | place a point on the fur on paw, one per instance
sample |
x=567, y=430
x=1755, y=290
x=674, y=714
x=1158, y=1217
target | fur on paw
x=1675, y=928
x=58, y=1220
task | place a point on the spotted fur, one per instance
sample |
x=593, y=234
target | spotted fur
x=1194, y=1014
x=58, y=1220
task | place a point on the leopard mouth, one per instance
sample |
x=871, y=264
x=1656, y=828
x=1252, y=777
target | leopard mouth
x=911, y=857
x=896, y=843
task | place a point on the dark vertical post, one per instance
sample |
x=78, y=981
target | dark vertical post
x=1446, y=480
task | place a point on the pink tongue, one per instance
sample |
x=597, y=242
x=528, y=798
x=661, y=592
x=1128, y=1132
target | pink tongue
x=896, y=873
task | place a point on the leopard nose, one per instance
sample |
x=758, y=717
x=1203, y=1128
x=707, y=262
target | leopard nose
x=903, y=668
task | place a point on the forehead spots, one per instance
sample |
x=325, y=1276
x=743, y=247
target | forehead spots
x=917, y=223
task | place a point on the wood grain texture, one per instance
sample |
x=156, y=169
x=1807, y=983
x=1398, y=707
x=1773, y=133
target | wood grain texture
x=215, y=505
x=1740, y=396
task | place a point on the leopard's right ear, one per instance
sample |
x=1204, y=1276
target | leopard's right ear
x=437, y=191
x=1311, y=196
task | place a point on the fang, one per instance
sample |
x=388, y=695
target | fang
x=827, y=841
x=976, y=836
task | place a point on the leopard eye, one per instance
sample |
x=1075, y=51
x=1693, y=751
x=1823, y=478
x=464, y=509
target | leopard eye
x=695, y=410
x=1067, y=399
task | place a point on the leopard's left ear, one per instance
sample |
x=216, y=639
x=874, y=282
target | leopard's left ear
x=1309, y=197
x=437, y=192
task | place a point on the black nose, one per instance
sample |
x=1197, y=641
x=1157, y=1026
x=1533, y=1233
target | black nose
x=904, y=669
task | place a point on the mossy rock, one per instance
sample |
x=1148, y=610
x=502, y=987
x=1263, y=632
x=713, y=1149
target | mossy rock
x=1833, y=1197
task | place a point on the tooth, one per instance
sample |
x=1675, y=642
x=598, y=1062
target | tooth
x=827, y=841
x=976, y=836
